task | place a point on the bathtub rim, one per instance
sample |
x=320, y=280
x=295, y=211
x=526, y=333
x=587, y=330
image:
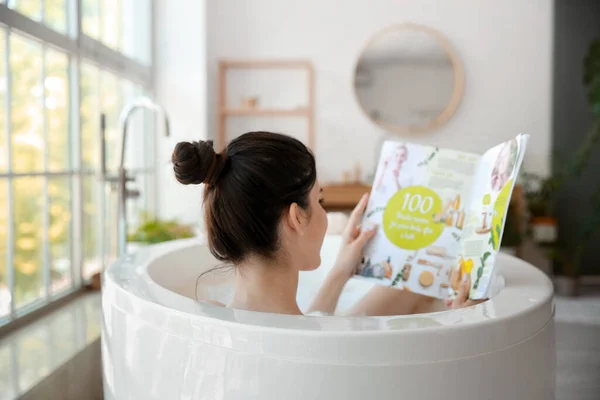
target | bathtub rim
x=153, y=253
x=129, y=289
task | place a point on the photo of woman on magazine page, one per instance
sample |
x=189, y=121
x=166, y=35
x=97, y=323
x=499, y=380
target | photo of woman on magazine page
x=390, y=178
x=505, y=164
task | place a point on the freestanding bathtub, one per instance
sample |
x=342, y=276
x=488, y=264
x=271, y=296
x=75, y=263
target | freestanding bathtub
x=158, y=342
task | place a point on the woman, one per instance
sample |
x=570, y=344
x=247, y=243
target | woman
x=263, y=215
x=505, y=165
x=398, y=159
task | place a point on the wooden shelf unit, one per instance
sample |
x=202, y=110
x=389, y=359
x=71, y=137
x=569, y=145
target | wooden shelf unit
x=223, y=111
x=267, y=112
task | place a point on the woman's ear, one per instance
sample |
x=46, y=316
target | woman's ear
x=295, y=218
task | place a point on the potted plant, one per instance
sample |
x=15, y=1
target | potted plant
x=540, y=193
x=153, y=230
x=512, y=237
x=569, y=257
x=565, y=281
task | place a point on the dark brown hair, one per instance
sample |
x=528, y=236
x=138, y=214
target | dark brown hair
x=248, y=187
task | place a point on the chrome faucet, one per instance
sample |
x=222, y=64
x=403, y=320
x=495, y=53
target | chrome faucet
x=119, y=181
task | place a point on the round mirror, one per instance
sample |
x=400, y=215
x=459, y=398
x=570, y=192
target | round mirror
x=408, y=79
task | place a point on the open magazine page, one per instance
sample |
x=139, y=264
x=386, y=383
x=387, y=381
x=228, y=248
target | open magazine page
x=418, y=202
x=487, y=209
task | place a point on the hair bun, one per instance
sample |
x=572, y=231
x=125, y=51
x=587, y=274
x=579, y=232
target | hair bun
x=196, y=162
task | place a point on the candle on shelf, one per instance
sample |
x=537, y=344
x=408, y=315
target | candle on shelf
x=346, y=177
x=357, y=173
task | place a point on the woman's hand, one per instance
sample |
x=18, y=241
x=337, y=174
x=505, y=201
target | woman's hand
x=462, y=295
x=354, y=239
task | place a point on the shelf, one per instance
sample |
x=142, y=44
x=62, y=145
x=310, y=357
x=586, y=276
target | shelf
x=306, y=111
x=300, y=112
x=267, y=64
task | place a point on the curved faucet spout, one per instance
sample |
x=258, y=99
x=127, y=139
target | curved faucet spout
x=140, y=102
x=122, y=191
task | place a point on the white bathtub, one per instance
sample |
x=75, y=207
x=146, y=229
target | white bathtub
x=159, y=343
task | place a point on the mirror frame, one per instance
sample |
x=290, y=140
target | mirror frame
x=459, y=80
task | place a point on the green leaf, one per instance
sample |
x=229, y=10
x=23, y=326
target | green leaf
x=429, y=158
x=492, y=241
x=486, y=255
x=592, y=220
x=397, y=279
x=374, y=211
x=479, y=274
x=153, y=230
x=594, y=95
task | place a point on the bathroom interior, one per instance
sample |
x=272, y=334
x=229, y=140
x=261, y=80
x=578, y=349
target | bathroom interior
x=99, y=243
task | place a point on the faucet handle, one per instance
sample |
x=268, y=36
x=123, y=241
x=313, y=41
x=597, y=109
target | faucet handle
x=132, y=193
x=115, y=179
x=102, y=173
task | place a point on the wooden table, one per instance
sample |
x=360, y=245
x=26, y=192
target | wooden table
x=343, y=197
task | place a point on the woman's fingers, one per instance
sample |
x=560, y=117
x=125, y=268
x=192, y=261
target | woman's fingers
x=351, y=231
x=352, y=227
x=462, y=297
x=365, y=236
x=462, y=294
x=358, y=211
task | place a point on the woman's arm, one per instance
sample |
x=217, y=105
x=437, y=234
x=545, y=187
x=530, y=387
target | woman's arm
x=382, y=300
x=328, y=295
x=353, y=240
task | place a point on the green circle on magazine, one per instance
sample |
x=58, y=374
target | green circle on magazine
x=500, y=207
x=411, y=219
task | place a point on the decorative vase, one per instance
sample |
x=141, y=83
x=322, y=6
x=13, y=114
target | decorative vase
x=250, y=102
x=544, y=229
x=566, y=286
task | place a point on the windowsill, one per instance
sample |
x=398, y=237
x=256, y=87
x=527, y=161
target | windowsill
x=33, y=352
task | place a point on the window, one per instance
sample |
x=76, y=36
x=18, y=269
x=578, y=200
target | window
x=120, y=25
x=56, y=220
x=53, y=13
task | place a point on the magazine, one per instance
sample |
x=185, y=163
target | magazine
x=440, y=214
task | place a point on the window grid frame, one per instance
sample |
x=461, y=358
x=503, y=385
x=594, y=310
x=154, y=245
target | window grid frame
x=78, y=49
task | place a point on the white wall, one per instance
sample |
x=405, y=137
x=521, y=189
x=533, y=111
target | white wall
x=180, y=68
x=505, y=46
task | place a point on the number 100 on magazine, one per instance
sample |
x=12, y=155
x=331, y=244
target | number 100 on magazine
x=409, y=218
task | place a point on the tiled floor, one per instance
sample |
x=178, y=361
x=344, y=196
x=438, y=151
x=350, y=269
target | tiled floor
x=29, y=355
x=578, y=347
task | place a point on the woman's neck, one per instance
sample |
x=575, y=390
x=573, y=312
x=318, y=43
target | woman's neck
x=266, y=286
